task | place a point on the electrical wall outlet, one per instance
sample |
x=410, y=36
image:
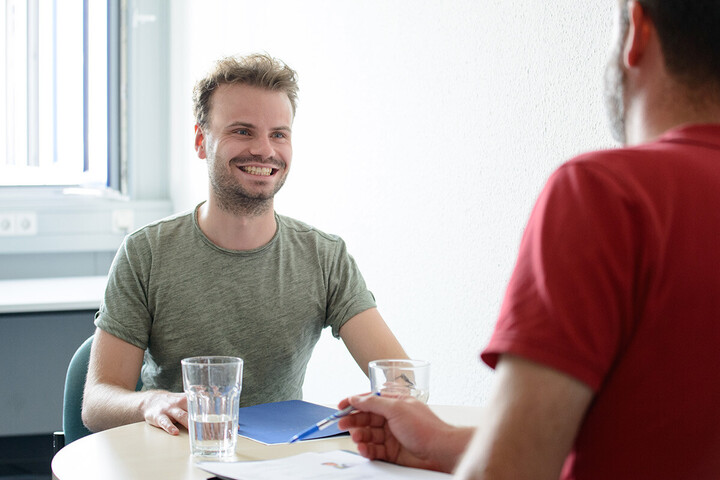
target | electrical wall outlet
x=123, y=221
x=26, y=223
x=7, y=224
x=13, y=224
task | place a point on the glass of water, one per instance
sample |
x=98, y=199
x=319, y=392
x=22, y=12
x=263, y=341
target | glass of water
x=212, y=386
x=400, y=378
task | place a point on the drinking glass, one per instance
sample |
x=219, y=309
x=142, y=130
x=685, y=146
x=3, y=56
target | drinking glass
x=400, y=377
x=212, y=385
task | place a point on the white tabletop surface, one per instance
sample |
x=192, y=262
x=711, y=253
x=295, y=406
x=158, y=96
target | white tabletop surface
x=141, y=452
x=51, y=294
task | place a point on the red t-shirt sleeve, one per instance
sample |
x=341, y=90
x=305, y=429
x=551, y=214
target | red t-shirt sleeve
x=567, y=304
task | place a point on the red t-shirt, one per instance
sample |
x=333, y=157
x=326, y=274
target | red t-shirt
x=617, y=284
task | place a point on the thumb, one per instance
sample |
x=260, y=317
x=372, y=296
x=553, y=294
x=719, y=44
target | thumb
x=371, y=402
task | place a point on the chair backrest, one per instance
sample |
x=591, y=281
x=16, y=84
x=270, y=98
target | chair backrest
x=73, y=427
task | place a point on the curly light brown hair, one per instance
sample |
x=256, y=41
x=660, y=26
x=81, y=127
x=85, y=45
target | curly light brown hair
x=256, y=70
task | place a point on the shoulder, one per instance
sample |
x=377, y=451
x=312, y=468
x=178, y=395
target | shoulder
x=620, y=171
x=306, y=240
x=635, y=175
x=301, y=230
x=610, y=161
x=167, y=242
x=172, y=226
x=648, y=159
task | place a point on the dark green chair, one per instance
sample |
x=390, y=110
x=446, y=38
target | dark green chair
x=73, y=427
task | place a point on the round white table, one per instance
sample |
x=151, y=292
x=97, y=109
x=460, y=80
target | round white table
x=141, y=452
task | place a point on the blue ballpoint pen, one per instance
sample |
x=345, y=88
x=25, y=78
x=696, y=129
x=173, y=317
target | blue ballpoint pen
x=326, y=422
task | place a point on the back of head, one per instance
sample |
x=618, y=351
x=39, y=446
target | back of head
x=256, y=70
x=689, y=32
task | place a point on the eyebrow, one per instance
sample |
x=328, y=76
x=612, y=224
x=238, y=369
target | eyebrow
x=250, y=125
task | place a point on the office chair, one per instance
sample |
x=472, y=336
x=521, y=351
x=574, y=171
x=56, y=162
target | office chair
x=73, y=427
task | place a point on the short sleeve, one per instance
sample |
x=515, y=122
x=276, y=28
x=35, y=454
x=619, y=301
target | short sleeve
x=124, y=311
x=347, y=293
x=568, y=303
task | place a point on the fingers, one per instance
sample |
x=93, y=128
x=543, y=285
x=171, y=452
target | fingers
x=361, y=419
x=179, y=415
x=372, y=411
x=368, y=435
x=164, y=422
x=373, y=451
x=167, y=421
x=371, y=403
x=164, y=410
x=346, y=401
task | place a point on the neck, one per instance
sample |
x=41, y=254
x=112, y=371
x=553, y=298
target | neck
x=233, y=230
x=654, y=112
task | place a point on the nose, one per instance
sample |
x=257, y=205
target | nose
x=262, y=147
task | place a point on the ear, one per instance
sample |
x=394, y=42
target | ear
x=638, y=35
x=200, y=142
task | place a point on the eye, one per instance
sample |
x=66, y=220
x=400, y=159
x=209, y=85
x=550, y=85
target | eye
x=242, y=131
x=278, y=135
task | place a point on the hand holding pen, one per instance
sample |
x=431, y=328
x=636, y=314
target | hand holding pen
x=326, y=422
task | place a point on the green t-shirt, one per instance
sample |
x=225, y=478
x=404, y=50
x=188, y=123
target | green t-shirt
x=175, y=294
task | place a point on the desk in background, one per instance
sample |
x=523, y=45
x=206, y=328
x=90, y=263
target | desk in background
x=51, y=294
x=141, y=452
x=42, y=322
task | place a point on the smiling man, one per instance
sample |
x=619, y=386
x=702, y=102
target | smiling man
x=230, y=277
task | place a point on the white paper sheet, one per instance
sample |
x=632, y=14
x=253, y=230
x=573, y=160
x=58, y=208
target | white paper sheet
x=336, y=464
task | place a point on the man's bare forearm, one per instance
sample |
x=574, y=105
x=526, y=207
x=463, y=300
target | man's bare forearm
x=450, y=446
x=108, y=406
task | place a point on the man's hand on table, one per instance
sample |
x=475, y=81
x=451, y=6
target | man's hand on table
x=404, y=431
x=164, y=409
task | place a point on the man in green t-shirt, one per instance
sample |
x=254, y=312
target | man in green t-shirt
x=230, y=277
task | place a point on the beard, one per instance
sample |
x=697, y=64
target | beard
x=235, y=198
x=614, y=91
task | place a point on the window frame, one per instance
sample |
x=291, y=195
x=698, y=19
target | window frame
x=97, y=219
x=42, y=41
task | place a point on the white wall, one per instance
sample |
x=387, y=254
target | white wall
x=424, y=132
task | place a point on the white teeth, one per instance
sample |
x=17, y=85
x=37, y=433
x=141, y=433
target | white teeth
x=263, y=171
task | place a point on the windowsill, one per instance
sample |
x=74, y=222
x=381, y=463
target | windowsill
x=42, y=194
x=51, y=294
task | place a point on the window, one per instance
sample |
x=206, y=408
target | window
x=88, y=110
x=59, y=93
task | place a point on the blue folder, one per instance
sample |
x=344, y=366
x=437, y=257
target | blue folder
x=273, y=423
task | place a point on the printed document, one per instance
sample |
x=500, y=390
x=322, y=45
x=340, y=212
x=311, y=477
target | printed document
x=337, y=464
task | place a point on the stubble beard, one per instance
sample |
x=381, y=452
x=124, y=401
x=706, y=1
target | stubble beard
x=235, y=199
x=614, y=91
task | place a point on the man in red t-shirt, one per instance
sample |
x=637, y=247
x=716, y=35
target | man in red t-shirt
x=606, y=345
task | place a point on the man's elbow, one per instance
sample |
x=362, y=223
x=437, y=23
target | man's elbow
x=87, y=413
x=87, y=420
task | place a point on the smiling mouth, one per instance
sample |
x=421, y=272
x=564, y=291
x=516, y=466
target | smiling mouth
x=258, y=171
